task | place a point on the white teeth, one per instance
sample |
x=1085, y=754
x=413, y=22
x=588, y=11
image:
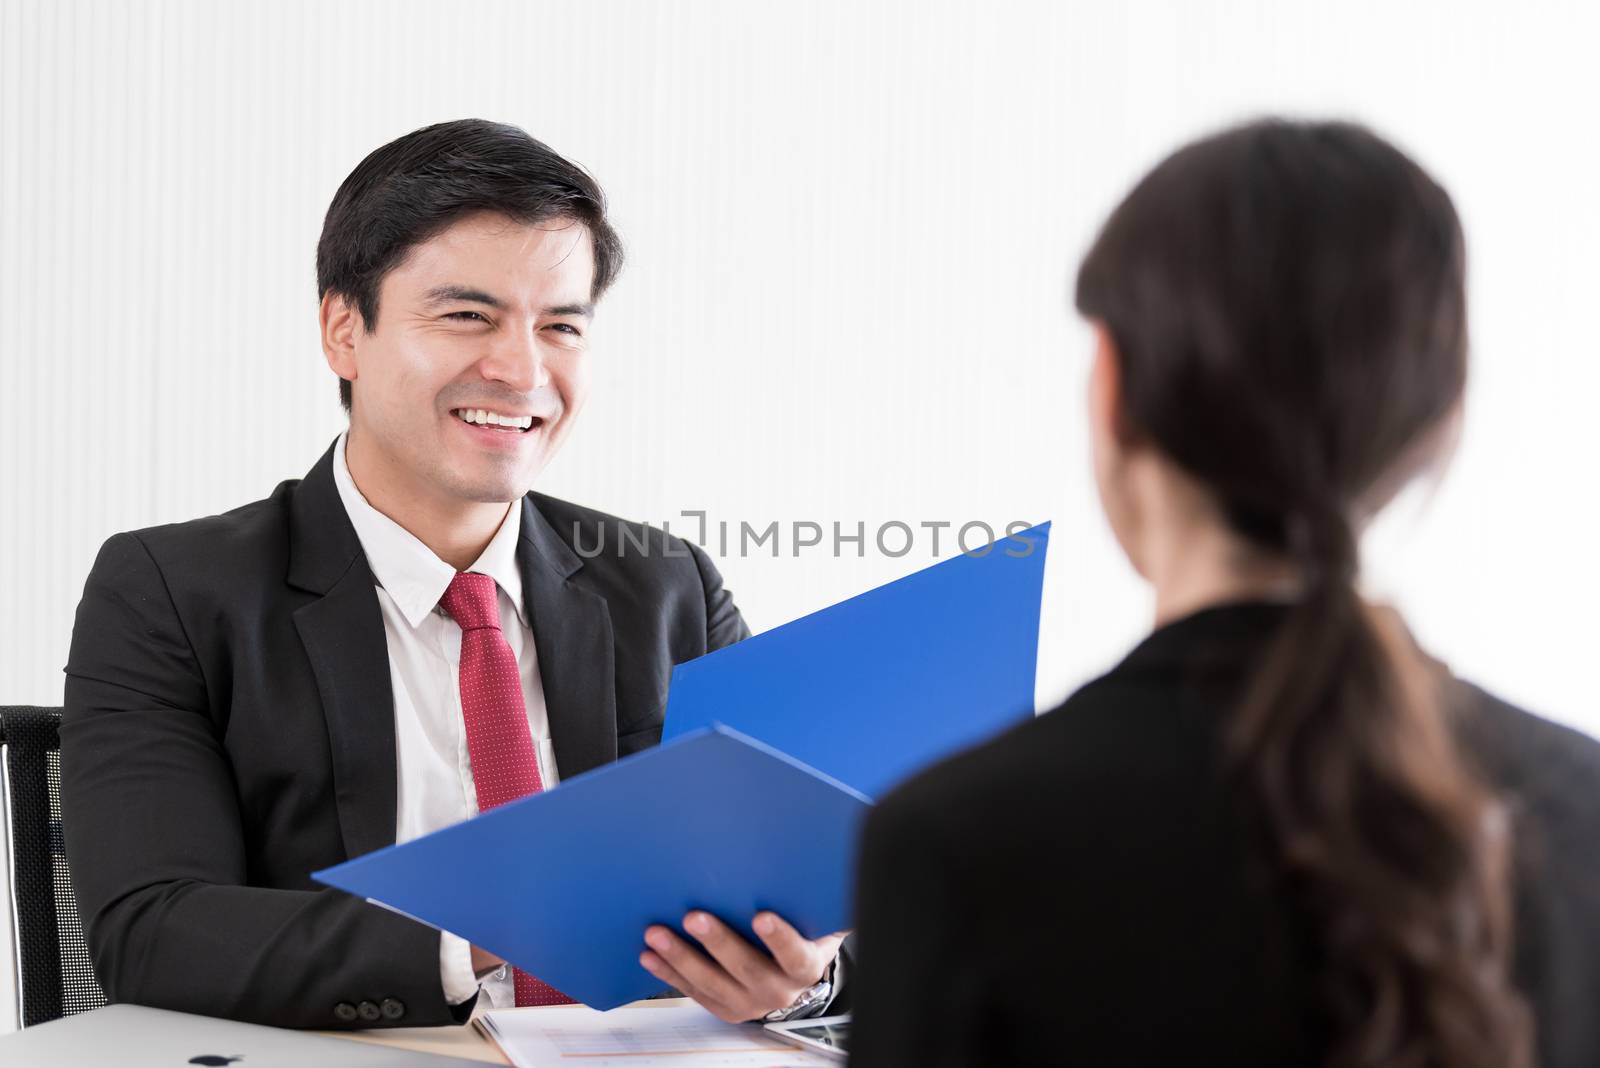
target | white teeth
x=483, y=417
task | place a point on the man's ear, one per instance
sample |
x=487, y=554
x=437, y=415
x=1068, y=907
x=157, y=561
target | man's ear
x=339, y=323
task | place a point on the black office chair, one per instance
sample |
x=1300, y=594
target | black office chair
x=54, y=974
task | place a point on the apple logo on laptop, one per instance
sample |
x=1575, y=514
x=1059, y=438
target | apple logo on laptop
x=211, y=1060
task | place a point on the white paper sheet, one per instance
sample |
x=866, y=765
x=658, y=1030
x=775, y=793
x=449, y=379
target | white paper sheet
x=637, y=1037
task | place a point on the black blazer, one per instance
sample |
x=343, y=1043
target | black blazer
x=1078, y=891
x=229, y=728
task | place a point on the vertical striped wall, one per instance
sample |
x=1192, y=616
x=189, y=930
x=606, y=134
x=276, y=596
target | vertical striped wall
x=851, y=228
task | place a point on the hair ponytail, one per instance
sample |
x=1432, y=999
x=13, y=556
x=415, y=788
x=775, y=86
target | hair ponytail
x=1289, y=311
x=1389, y=840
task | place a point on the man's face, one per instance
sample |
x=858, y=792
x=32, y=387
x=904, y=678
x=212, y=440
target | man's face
x=490, y=315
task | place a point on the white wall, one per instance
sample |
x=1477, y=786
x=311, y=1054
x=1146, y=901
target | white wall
x=851, y=228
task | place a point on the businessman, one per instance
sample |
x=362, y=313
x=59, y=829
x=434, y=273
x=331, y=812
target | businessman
x=401, y=639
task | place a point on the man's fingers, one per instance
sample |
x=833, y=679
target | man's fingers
x=706, y=976
x=801, y=960
x=738, y=957
x=654, y=964
x=732, y=978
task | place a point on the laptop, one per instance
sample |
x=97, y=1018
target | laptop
x=132, y=1036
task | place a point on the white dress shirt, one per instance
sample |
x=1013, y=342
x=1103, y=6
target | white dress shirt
x=433, y=767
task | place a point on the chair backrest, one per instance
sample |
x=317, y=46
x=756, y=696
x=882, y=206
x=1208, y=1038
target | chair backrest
x=54, y=975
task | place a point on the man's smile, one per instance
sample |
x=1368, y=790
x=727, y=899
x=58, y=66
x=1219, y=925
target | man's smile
x=502, y=422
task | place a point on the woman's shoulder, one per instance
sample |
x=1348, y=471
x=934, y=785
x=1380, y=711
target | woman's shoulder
x=1550, y=770
x=1064, y=759
x=1549, y=777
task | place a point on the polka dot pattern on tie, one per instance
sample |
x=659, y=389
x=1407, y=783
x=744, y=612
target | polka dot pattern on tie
x=505, y=763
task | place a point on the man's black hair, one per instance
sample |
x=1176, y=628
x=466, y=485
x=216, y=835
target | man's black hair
x=418, y=185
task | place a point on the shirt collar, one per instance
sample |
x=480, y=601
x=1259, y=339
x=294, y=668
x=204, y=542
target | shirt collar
x=414, y=577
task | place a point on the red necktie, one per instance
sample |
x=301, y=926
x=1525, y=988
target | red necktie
x=505, y=764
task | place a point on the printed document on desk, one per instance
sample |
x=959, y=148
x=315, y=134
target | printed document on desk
x=637, y=1037
x=564, y=883
x=875, y=688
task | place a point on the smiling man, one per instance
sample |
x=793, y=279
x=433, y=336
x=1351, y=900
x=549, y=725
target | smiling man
x=398, y=641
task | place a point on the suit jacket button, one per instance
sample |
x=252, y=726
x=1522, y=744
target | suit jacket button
x=368, y=1011
x=393, y=1008
x=345, y=1011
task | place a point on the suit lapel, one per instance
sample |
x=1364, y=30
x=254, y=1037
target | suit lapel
x=572, y=634
x=344, y=640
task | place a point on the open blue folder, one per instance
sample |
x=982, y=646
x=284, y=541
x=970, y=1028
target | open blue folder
x=874, y=688
x=833, y=708
x=564, y=883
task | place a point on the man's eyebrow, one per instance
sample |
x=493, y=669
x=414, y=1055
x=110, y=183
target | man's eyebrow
x=586, y=309
x=447, y=293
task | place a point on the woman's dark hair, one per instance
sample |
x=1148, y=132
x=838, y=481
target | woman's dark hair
x=1287, y=302
x=418, y=185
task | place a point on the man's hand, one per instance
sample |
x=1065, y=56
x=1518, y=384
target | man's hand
x=484, y=961
x=732, y=978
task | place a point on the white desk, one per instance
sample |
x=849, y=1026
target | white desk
x=466, y=1042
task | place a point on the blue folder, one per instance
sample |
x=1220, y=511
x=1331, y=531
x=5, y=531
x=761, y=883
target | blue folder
x=773, y=748
x=876, y=687
x=564, y=883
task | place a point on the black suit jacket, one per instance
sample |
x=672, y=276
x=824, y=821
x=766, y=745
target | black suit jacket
x=229, y=728
x=1081, y=890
